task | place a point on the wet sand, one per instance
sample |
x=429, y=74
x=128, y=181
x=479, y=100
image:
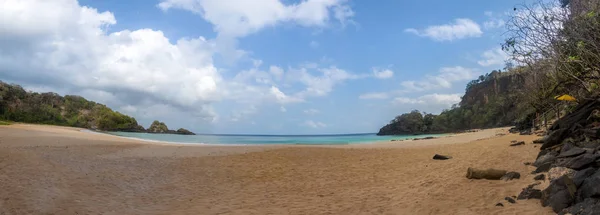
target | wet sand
x=58, y=170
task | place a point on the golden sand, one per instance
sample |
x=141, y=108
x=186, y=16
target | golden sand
x=57, y=170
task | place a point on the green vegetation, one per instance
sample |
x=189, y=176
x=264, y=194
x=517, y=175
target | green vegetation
x=158, y=127
x=490, y=101
x=5, y=123
x=18, y=105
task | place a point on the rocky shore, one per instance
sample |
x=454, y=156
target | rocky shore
x=570, y=157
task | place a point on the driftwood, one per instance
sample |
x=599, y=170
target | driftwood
x=491, y=174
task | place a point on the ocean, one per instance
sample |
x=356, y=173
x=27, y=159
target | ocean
x=233, y=139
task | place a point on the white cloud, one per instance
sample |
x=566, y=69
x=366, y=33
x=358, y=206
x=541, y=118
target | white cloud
x=243, y=114
x=314, y=124
x=323, y=84
x=282, y=109
x=61, y=43
x=311, y=111
x=459, y=29
x=444, y=79
x=494, y=21
x=236, y=19
x=383, y=74
x=374, y=96
x=314, y=44
x=276, y=71
x=429, y=103
x=282, y=97
x=493, y=57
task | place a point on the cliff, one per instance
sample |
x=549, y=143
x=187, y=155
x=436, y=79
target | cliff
x=492, y=100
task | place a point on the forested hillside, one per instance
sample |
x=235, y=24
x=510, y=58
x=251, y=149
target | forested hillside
x=18, y=105
x=492, y=100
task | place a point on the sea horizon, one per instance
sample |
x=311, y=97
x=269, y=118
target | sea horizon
x=269, y=139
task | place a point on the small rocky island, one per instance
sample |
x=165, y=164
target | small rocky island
x=158, y=127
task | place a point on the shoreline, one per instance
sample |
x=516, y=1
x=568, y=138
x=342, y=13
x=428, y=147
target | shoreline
x=39, y=127
x=60, y=170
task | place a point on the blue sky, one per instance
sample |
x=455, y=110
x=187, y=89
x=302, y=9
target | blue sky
x=255, y=67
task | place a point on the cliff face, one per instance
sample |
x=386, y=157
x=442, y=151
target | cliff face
x=492, y=100
x=494, y=85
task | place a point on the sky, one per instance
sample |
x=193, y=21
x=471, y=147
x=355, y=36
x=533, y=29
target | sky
x=255, y=67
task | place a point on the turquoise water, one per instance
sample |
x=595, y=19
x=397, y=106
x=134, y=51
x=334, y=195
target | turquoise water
x=339, y=139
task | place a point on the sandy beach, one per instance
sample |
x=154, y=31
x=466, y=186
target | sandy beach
x=58, y=170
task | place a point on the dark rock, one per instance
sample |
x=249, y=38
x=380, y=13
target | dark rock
x=559, y=194
x=555, y=138
x=511, y=175
x=500, y=205
x=441, y=157
x=510, y=199
x=590, y=144
x=541, y=140
x=518, y=143
x=579, y=162
x=589, y=206
x=530, y=193
x=547, y=158
x=542, y=168
x=527, y=132
x=583, y=174
x=527, y=163
x=540, y=177
x=590, y=186
x=574, y=151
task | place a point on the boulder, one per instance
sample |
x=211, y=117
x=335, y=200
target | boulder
x=555, y=138
x=540, y=177
x=510, y=199
x=572, y=152
x=511, y=175
x=500, y=204
x=579, y=162
x=559, y=194
x=542, y=168
x=518, y=143
x=546, y=158
x=557, y=172
x=441, y=157
x=583, y=174
x=530, y=193
x=590, y=186
x=541, y=140
x=589, y=206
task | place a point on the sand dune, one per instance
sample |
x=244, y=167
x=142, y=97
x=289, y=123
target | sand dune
x=56, y=170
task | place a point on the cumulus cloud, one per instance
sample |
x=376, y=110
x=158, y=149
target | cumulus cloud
x=429, y=103
x=311, y=111
x=60, y=43
x=314, y=124
x=373, y=96
x=459, y=29
x=444, y=79
x=235, y=19
x=382, y=74
x=322, y=84
x=493, y=57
